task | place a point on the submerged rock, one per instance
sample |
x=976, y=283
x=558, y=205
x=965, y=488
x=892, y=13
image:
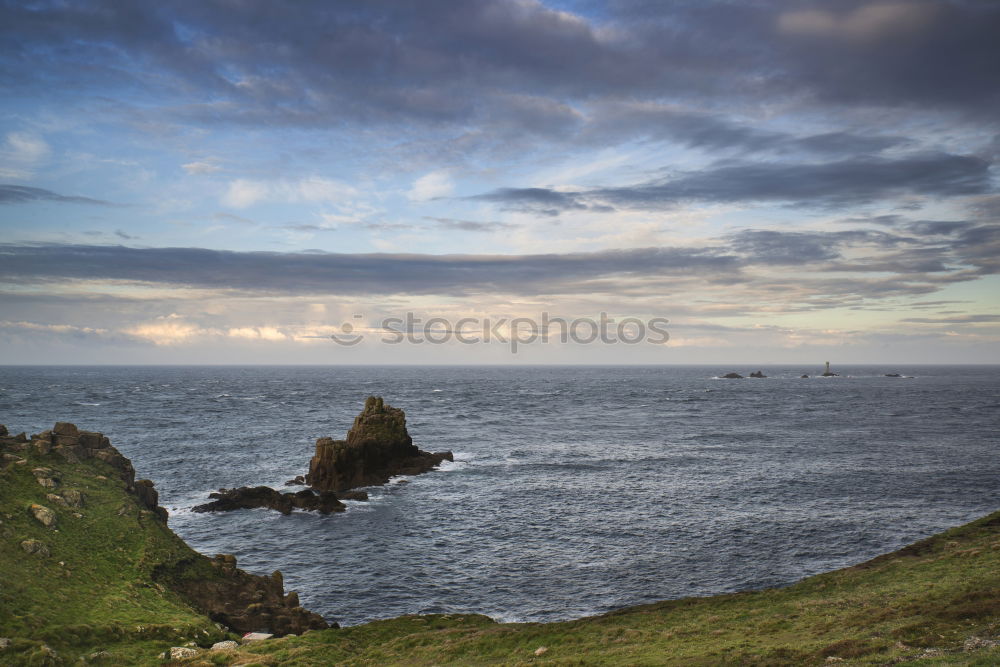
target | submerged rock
x=249, y=497
x=377, y=448
x=893, y=375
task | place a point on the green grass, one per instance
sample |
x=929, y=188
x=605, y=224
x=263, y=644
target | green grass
x=96, y=592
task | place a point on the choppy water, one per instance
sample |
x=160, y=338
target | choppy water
x=574, y=490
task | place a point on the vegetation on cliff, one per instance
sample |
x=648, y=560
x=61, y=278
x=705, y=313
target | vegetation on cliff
x=88, y=564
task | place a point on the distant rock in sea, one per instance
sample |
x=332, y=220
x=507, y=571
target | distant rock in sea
x=758, y=374
x=893, y=375
x=804, y=376
x=733, y=376
x=377, y=448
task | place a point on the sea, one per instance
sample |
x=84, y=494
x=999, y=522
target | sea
x=574, y=490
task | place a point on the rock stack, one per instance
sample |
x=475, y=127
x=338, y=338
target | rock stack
x=377, y=447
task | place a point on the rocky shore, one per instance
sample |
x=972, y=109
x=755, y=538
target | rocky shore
x=63, y=489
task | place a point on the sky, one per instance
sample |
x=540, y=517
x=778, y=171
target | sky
x=246, y=181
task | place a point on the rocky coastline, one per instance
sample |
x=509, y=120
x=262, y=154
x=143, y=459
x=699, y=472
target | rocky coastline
x=72, y=473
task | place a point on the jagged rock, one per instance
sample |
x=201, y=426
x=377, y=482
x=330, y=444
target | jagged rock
x=243, y=602
x=3, y=430
x=758, y=374
x=353, y=495
x=149, y=498
x=264, y=496
x=733, y=376
x=377, y=448
x=181, y=652
x=43, y=515
x=227, y=645
x=35, y=547
x=299, y=479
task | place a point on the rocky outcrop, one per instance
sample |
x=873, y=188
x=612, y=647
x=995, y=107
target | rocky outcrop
x=758, y=374
x=239, y=600
x=264, y=496
x=60, y=458
x=377, y=448
x=732, y=376
x=73, y=446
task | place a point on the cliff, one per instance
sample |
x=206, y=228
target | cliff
x=377, y=447
x=88, y=562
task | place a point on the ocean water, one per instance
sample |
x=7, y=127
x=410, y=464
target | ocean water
x=574, y=491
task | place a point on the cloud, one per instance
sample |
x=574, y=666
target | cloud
x=243, y=193
x=500, y=65
x=22, y=194
x=749, y=260
x=962, y=319
x=844, y=182
x=331, y=273
x=431, y=186
x=201, y=167
x=877, y=20
x=470, y=225
x=21, y=154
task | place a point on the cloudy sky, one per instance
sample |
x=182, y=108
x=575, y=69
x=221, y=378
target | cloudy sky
x=230, y=181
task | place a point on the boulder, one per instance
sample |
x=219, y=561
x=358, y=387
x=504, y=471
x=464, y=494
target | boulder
x=73, y=497
x=804, y=377
x=377, y=447
x=36, y=548
x=66, y=429
x=227, y=645
x=43, y=515
x=732, y=376
x=182, y=652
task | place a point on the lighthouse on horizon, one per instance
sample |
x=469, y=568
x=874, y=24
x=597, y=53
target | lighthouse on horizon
x=827, y=373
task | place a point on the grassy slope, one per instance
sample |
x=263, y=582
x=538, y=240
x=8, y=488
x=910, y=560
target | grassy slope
x=94, y=592
x=919, y=605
